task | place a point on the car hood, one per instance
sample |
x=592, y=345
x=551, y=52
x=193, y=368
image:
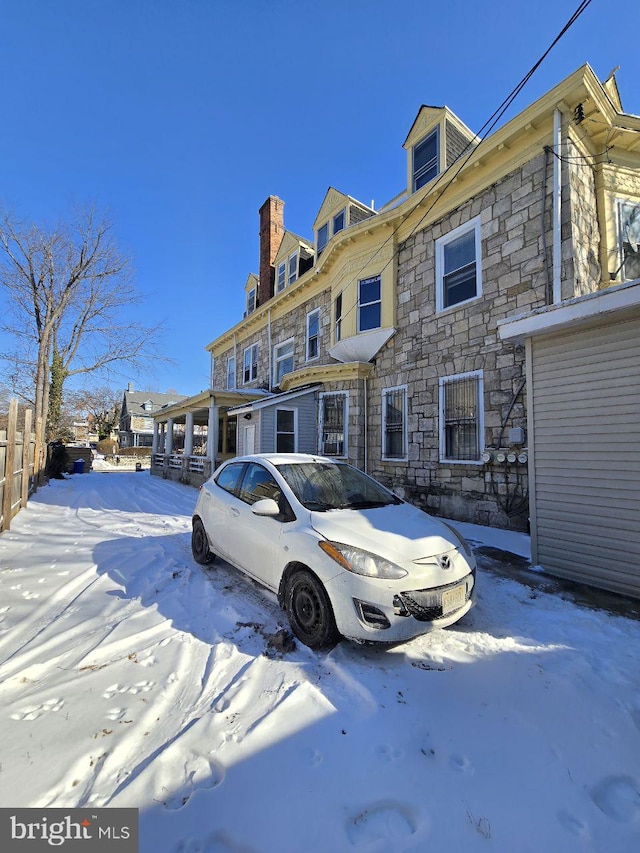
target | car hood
x=400, y=532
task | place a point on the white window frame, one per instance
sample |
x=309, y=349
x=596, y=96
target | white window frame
x=295, y=428
x=320, y=249
x=366, y=304
x=620, y=236
x=316, y=313
x=337, y=325
x=345, y=434
x=405, y=414
x=342, y=213
x=279, y=357
x=253, y=363
x=251, y=300
x=291, y=277
x=442, y=383
x=281, y=276
x=435, y=132
x=441, y=243
x=231, y=372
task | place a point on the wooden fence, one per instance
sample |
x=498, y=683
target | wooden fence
x=18, y=468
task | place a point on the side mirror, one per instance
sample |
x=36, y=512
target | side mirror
x=266, y=506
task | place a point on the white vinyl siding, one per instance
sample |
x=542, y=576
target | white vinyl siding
x=585, y=412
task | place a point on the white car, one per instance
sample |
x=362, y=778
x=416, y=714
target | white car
x=345, y=556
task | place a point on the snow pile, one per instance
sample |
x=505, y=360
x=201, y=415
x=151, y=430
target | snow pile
x=130, y=676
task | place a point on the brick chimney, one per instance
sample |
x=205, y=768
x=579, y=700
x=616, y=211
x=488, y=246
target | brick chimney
x=271, y=234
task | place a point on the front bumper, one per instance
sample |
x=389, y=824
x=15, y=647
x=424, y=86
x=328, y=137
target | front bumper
x=366, y=612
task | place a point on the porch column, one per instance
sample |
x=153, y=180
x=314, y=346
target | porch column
x=188, y=434
x=168, y=442
x=156, y=438
x=212, y=434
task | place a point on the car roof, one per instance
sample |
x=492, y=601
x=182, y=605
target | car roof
x=285, y=458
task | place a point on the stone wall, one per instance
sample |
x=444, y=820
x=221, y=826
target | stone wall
x=580, y=227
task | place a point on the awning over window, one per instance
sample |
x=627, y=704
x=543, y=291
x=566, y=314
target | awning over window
x=361, y=347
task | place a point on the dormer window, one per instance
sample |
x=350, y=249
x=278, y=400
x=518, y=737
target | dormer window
x=251, y=300
x=323, y=238
x=147, y=406
x=339, y=221
x=425, y=160
x=281, y=281
x=292, y=268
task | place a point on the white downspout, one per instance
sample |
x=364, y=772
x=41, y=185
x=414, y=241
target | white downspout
x=365, y=406
x=270, y=356
x=557, y=207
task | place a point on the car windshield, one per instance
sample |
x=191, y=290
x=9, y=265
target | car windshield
x=322, y=486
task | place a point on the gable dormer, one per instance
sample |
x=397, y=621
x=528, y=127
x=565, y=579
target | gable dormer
x=294, y=257
x=337, y=212
x=436, y=139
x=251, y=293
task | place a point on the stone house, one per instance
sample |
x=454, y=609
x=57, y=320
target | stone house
x=136, y=415
x=377, y=340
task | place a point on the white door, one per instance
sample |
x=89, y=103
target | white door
x=249, y=443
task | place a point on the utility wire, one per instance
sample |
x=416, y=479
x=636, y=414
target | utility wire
x=470, y=148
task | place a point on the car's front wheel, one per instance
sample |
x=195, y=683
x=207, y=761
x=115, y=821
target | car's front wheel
x=309, y=611
x=200, y=544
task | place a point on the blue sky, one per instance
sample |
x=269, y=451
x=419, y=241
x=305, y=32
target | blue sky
x=179, y=117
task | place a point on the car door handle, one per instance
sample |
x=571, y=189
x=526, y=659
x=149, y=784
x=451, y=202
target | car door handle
x=234, y=511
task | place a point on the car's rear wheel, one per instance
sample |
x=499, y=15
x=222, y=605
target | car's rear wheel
x=309, y=611
x=200, y=544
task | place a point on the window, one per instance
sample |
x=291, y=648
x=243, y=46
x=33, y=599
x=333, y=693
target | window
x=458, y=273
x=285, y=430
x=629, y=230
x=251, y=300
x=229, y=477
x=425, y=160
x=333, y=420
x=323, y=238
x=282, y=360
x=394, y=423
x=313, y=334
x=339, y=221
x=231, y=372
x=369, y=305
x=461, y=417
x=293, y=268
x=281, y=277
x=250, y=369
x=258, y=484
x=338, y=317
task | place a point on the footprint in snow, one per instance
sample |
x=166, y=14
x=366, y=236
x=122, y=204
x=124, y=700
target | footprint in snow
x=139, y=687
x=388, y=753
x=618, y=797
x=386, y=822
x=198, y=772
x=35, y=711
x=575, y=826
x=461, y=764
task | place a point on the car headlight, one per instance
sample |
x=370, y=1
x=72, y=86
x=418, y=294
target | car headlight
x=362, y=562
x=459, y=538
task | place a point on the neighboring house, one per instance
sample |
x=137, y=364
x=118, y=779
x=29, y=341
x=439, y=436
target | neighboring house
x=136, y=415
x=377, y=341
x=583, y=385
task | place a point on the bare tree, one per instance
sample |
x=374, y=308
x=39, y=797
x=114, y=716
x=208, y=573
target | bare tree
x=66, y=289
x=100, y=404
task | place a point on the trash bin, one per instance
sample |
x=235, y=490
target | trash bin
x=138, y=466
x=78, y=466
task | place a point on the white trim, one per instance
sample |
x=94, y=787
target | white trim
x=475, y=225
x=345, y=442
x=283, y=265
x=251, y=296
x=378, y=301
x=557, y=207
x=433, y=132
x=306, y=340
x=244, y=352
x=276, y=359
x=295, y=427
x=295, y=275
x=405, y=418
x=442, y=382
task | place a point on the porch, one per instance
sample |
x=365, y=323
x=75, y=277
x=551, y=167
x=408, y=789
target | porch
x=193, y=436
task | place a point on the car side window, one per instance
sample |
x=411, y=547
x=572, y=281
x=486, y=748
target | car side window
x=229, y=477
x=257, y=484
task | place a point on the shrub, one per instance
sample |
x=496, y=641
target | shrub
x=139, y=452
x=107, y=446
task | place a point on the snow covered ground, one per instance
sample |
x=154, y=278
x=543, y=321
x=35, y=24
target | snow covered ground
x=131, y=676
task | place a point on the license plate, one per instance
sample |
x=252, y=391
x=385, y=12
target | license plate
x=454, y=598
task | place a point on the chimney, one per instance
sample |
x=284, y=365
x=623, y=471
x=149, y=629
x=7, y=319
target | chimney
x=271, y=234
x=130, y=387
